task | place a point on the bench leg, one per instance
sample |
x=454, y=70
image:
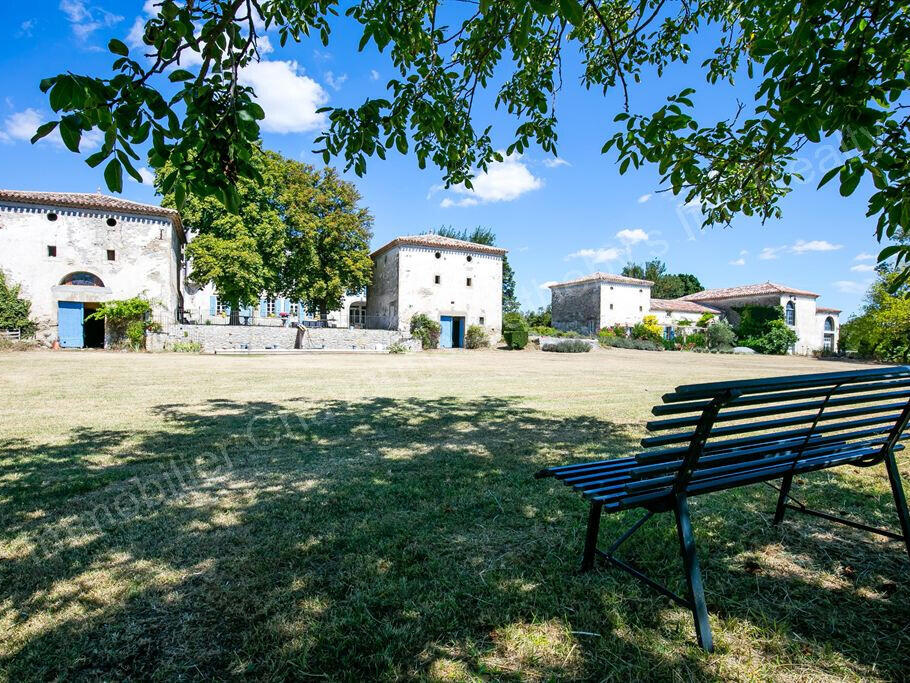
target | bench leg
x=785, y=485
x=693, y=574
x=900, y=500
x=587, y=561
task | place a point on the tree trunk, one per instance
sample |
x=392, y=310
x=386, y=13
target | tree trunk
x=234, y=318
x=323, y=313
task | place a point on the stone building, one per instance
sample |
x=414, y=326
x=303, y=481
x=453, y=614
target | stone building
x=816, y=327
x=455, y=282
x=72, y=251
x=599, y=300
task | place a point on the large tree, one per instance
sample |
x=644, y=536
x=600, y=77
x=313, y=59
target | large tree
x=297, y=232
x=666, y=285
x=481, y=235
x=836, y=70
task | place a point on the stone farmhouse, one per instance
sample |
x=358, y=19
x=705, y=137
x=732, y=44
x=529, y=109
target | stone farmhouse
x=455, y=282
x=589, y=303
x=71, y=252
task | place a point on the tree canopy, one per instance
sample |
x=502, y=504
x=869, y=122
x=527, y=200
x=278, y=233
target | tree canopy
x=297, y=232
x=666, y=285
x=482, y=235
x=834, y=70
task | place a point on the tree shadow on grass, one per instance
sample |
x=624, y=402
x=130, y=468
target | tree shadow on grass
x=379, y=538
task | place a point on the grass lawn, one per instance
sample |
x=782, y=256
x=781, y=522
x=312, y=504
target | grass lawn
x=375, y=517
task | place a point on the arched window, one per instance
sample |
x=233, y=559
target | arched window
x=829, y=324
x=828, y=337
x=790, y=313
x=82, y=279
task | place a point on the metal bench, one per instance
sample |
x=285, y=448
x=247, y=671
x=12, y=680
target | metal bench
x=724, y=435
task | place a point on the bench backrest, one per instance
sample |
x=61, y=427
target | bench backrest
x=726, y=434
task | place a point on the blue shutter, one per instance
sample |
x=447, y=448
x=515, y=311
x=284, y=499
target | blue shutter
x=263, y=312
x=213, y=305
x=279, y=303
x=246, y=311
x=287, y=306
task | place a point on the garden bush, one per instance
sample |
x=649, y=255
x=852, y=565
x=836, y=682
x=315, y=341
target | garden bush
x=697, y=340
x=398, y=347
x=720, y=334
x=776, y=341
x=14, y=312
x=427, y=330
x=186, y=347
x=568, y=346
x=476, y=337
x=515, y=330
x=647, y=332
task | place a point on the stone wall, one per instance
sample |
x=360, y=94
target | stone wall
x=576, y=308
x=255, y=337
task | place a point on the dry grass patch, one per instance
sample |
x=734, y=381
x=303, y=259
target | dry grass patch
x=375, y=517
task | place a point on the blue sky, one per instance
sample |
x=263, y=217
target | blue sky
x=559, y=218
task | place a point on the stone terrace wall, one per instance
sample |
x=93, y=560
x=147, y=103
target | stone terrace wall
x=254, y=337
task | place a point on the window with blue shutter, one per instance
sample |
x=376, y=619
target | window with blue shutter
x=213, y=305
x=262, y=308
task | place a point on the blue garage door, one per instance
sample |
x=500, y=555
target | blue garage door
x=69, y=324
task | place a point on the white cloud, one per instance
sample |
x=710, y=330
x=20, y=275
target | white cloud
x=801, y=246
x=602, y=255
x=547, y=284
x=134, y=37
x=864, y=256
x=86, y=19
x=151, y=7
x=863, y=268
x=769, y=253
x=555, y=162
x=21, y=126
x=289, y=98
x=630, y=237
x=335, y=82
x=374, y=75
x=644, y=198
x=850, y=286
x=148, y=178
x=504, y=181
x=25, y=28
x=738, y=262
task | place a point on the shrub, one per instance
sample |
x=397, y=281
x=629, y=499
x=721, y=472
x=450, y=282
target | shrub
x=647, y=345
x=704, y=319
x=670, y=345
x=186, y=347
x=776, y=341
x=568, y=346
x=427, y=330
x=476, y=337
x=697, y=340
x=14, y=312
x=398, y=347
x=126, y=319
x=515, y=330
x=647, y=331
x=755, y=321
x=545, y=331
x=720, y=334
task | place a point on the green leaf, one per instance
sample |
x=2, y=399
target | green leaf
x=43, y=130
x=830, y=174
x=849, y=181
x=70, y=133
x=118, y=47
x=96, y=158
x=572, y=10
x=113, y=175
x=763, y=47
x=180, y=75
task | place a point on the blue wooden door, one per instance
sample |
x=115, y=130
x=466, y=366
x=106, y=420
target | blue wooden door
x=445, y=337
x=69, y=324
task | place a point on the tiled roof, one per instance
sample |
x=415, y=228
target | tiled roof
x=765, y=288
x=825, y=309
x=604, y=277
x=680, y=305
x=431, y=240
x=85, y=200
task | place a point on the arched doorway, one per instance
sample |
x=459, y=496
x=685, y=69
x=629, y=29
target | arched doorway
x=79, y=294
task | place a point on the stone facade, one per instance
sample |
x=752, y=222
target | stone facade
x=130, y=249
x=441, y=277
x=599, y=300
x=259, y=338
x=602, y=299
